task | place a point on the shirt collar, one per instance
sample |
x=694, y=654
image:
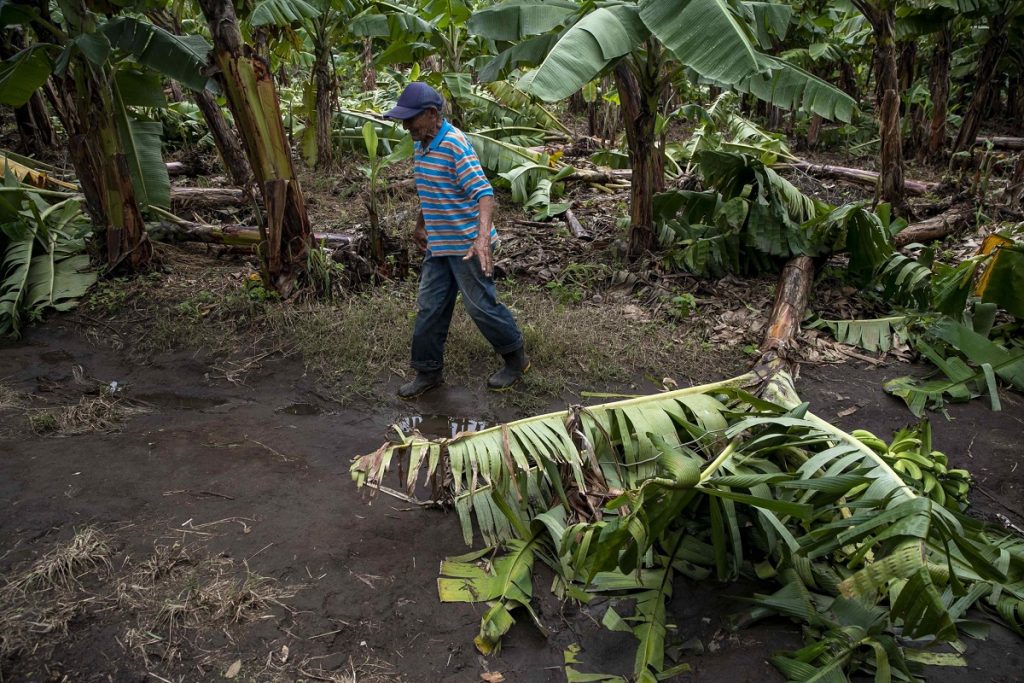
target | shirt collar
x=436, y=140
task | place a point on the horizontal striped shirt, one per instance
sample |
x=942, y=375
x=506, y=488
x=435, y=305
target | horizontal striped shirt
x=450, y=183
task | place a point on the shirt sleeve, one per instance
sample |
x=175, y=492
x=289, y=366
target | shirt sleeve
x=469, y=175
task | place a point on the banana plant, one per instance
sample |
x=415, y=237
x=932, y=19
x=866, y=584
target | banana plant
x=256, y=109
x=714, y=481
x=643, y=44
x=1002, y=23
x=750, y=219
x=43, y=262
x=948, y=314
x=116, y=157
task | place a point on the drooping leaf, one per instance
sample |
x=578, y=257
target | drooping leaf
x=516, y=19
x=581, y=53
x=281, y=12
x=23, y=74
x=142, y=150
x=874, y=335
x=704, y=35
x=182, y=58
x=787, y=86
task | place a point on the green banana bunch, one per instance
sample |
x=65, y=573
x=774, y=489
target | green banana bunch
x=911, y=455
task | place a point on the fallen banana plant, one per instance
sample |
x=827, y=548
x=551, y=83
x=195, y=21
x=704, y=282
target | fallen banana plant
x=714, y=481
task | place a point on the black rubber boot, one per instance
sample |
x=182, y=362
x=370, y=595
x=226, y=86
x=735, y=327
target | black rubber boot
x=516, y=365
x=421, y=384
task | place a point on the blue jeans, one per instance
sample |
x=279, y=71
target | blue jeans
x=441, y=279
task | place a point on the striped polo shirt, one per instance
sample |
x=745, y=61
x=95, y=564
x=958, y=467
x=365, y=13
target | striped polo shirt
x=450, y=183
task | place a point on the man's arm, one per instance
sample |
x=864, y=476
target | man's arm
x=481, y=247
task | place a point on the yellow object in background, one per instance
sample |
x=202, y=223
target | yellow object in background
x=33, y=177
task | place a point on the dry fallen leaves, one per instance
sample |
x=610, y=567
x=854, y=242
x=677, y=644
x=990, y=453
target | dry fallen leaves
x=492, y=677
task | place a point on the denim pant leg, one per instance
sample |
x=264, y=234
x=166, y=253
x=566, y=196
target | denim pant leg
x=480, y=298
x=435, y=301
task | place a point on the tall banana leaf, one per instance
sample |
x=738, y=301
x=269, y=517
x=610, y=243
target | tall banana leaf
x=705, y=35
x=142, y=151
x=516, y=19
x=581, y=53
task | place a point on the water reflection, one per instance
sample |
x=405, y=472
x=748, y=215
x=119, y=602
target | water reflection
x=437, y=426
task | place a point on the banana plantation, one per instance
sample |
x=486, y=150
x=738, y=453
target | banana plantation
x=767, y=259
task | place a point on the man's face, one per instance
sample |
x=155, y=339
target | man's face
x=423, y=126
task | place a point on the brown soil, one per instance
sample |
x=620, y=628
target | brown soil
x=256, y=476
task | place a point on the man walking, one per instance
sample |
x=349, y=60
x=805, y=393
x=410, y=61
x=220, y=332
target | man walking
x=455, y=230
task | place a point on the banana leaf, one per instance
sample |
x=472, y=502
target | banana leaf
x=182, y=58
x=872, y=335
x=517, y=19
x=23, y=74
x=281, y=12
x=714, y=478
x=705, y=35
x=582, y=52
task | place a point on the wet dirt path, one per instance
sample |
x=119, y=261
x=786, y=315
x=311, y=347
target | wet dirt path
x=259, y=473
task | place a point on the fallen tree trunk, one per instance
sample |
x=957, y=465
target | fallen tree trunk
x=232, y=235
x=602, y=176
x=934, y=228
x=575, y=226
x=1002, y=142
x=207, y=197
x=791, y=297
x=175, y=168
x=857, y=175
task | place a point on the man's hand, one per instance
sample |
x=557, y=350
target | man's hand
x=419, y=235
x=481, y=250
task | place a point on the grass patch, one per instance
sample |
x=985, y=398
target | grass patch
x=179, y=604
x=357, y=346
x=10, y=398
x=183, y=601
x=103, y=412
x=88, y=550
x=38, y=602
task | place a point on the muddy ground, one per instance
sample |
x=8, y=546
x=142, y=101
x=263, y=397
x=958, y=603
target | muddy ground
x=249, y=483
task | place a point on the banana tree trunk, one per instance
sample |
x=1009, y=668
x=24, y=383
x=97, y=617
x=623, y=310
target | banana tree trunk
x=324, y=82
x=791, y=296
x=34, y=126
x=639, y=99
x=938, y=84
x=101, y=167
x=882, y=21
x=912, y=111
x=224, y=139
x=251, y=95
x=369, y=70
x=988, y=63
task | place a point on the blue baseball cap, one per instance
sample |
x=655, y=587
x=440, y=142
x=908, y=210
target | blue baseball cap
x=414, y=99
